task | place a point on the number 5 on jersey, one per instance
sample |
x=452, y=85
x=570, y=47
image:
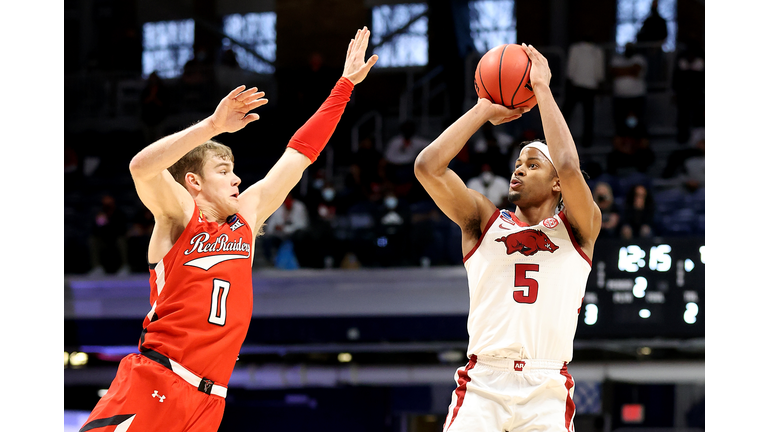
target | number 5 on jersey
x=219, y=294
x=523, y=281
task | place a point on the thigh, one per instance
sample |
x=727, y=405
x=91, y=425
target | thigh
x=477, y=404
x=544, y=404
x=145, y=396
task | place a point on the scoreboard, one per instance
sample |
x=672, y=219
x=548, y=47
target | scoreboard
x=645, y=288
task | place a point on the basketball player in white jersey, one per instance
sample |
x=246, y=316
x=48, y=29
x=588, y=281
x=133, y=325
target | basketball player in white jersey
x=527, y=270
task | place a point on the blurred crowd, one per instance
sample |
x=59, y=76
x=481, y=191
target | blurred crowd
x=370, y=211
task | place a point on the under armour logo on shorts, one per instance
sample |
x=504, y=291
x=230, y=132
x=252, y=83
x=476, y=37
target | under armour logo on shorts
x=155, y=394
x=519, y=365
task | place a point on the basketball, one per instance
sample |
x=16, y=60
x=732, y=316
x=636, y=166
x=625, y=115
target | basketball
x=503, y=77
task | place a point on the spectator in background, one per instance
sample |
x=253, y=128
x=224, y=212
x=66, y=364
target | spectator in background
x=491, y=185
x=688, y=88
x=138, y=236
x=603, y=195
x=400, y=154
x=154, y=107
x=585, y=72
x=630, y=153
x=323, y=248
x=196, y=80
x=492, y=148
x=107, y=240
x=654, y=28
x=392, y=231
x=639, y=212
x=366, y=172
x=229, y=74
x=629, y=91
x=652, y=35
x=289, y=222
x=687, y=165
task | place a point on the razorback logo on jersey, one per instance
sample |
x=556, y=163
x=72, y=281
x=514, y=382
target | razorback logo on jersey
x=202, y=244
x=528, y=242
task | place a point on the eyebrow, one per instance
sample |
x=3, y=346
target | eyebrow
x=532, y=157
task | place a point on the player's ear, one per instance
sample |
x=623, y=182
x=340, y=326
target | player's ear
x=556, y=184
x=192, y=180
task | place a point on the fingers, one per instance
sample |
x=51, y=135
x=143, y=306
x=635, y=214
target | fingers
x=236, y=91
x=252, y=97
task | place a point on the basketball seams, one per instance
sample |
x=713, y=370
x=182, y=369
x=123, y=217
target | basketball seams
x=525, y=72
x=501, y=88
x=480, y=74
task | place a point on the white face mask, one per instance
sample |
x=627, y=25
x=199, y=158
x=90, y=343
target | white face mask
x=486, y=176
x=390, y=202
x=328, y=194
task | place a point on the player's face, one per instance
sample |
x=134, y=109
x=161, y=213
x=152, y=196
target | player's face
x=221, y=184
x=532, y=179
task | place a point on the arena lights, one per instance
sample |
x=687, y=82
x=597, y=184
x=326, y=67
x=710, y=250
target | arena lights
x=78, y=358
x=345, y=357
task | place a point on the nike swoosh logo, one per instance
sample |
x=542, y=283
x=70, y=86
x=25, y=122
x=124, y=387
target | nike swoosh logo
x=503, y=227
x=207, y=262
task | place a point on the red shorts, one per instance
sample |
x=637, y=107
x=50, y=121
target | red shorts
x=146, y=396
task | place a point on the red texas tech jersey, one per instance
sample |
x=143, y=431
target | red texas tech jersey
x=202, y=297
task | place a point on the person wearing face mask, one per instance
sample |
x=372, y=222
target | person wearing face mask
x=392, y=232
x=493, y=186
x=629, y=91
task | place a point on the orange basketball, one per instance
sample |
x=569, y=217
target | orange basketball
x=503, y=77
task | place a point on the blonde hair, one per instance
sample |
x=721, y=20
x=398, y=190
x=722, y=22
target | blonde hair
x=195, y=159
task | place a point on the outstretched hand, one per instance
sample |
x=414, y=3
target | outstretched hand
x=231, y=114
x=540, y=73
x=355, y=67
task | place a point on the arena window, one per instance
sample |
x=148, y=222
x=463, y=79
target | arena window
x=630, y=15
x=257, y=30
x=167, y=46
x=492, y=23
x=409, y=46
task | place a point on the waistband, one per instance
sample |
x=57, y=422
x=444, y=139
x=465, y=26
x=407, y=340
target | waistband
x=521, y=365
x=204, y=385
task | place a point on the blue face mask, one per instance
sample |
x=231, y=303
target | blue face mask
x=631, y=121
x=390, y=202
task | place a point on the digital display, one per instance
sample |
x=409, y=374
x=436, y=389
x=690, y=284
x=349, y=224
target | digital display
x=645, y=288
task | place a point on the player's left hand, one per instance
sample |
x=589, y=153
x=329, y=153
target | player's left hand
x=540, y=73
x=355, y=67
x=232, y=113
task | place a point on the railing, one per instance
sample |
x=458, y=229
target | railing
x=424, y=84
x=377, y=130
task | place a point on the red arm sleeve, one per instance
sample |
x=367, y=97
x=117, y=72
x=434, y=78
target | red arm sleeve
x=311, y=138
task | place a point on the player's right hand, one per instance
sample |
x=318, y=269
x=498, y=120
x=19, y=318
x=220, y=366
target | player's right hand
x=232, y=113
x=355, y=67
x=498, y=114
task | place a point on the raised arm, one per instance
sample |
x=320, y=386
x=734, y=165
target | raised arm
x=259, y=201
x=163, y=196
x=469, y=209
x=580, y=208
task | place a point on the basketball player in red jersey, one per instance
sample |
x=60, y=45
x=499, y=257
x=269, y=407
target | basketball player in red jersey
x=200, y=260
x=527, y=270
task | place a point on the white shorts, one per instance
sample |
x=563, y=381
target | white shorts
x=511, y=395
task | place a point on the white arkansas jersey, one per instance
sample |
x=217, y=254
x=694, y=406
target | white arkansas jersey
x=526, y=285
